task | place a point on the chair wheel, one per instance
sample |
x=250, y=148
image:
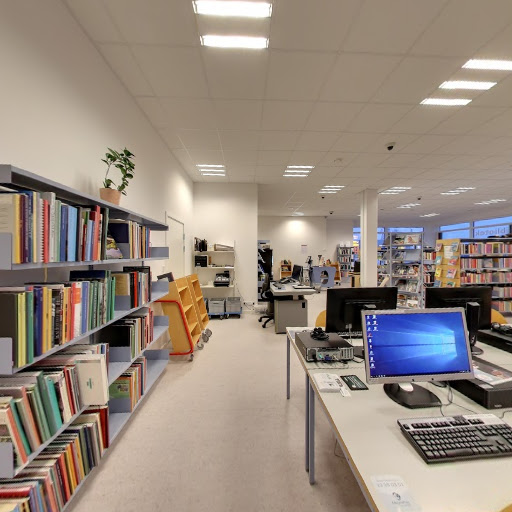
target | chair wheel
x=191, y=358
x=259, y=320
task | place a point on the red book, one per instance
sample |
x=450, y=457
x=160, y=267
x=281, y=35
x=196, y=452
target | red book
x=95, y=216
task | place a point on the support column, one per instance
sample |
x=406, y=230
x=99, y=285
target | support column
x=368, y=248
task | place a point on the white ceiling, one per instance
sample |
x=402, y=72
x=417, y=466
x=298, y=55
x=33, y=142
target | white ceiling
x=340, y=80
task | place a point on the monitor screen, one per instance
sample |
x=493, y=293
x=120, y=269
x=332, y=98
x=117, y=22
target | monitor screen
x=344, y=306
x=296, y=272
x=416, y=345
x=459, y=298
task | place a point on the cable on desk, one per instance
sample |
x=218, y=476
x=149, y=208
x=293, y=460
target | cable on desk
x=451, y=402
x=504, y=412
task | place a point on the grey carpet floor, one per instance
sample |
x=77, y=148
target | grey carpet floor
x=218, y=435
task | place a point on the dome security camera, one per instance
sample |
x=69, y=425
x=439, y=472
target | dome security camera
x=330, y=213
x=390, y=146
x=323, y=197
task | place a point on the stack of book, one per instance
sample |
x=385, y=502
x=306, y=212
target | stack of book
x=51, y=479
x=131, y=385
x=480, y=248
x=45, y=229
x=35, y=405
x=134, y=282
x=39, y=316
x=134, y=331
x=131, y=238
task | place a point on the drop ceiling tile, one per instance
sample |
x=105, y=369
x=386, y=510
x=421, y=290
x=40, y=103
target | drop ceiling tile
x=275, y=171
x=199, y=139
x=428, y=143
x=464, y=145
x=126, y=68
x=285, y=115
x=376, y=29
x=95, y=19
x=283, y=140
x=332, y=116
x=238, y=114
x=497, y=162
x=431, y=161
x=156, y=114
x=183, y=157
x=399, y=174
x=368, y=160
x=189, y=113
x=499, y=126
x=498, y=47
x=499, y=95
x=266, y=180
x=155, y=21
x=241, y=170
x=296, y=75
x=357, y=76
x=463, y=27
x=403, y=160
x=239, y=139
x=316, y=141
x=498, y=146
x=306, y=157
x=206, y=156
x=235, y=74
x=327, y=172
x=171, y=138
x=464, y=163
x=423, y=118
x=241, y=179
x=415, y=78
x=355, y=142
x=398, y=140
x=306, y=25
x=332, y=159
x=237, y=157
x=225, y=25
x=379, y=118
x=274, y=158
x=467, y=119
x=172, y=71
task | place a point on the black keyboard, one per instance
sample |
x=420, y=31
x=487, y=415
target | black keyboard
x=444, y=439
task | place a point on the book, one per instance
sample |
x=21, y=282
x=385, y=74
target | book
x=412, y=239
x=439, y=271
x=10, y=429
x=450, y=284
x=10, y=222
x=451, y=272
x=439, y=259
x=439, y=246
x=112, y=251
x=453, y=261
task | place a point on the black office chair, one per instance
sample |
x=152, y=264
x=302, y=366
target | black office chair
x=266, y=294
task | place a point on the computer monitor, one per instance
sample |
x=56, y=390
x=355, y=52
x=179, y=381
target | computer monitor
x=416, y=345
x=476, y=301
x=297, y=272
x=344, y=306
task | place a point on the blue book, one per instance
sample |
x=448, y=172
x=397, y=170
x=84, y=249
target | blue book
x=63, y=231
x=53, y=414
x=71, y=233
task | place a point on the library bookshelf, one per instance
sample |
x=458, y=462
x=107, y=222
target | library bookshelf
x=120, y=357
x=285, y=269
x=198, y=300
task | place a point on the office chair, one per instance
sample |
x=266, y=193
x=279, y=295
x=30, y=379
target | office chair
x=321, y=319
x=266, y=294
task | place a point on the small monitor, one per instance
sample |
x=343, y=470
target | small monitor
x=344, y=306
x=417, y=345
x=476, y=301
x=297, y=272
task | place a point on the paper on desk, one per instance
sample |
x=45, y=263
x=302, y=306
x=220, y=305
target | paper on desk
x=393, y=492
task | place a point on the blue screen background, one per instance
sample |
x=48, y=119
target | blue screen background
x=417, y=344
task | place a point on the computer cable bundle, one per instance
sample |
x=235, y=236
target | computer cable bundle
x=319, y=334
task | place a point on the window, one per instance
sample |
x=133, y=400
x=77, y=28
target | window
x=405, y=230
x=455, y=226
x=459, y=233
x=502, y=230
x=493, y=222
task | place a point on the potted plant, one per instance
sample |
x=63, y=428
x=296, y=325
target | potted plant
x=122, y=161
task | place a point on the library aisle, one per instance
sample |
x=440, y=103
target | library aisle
x=219, y=435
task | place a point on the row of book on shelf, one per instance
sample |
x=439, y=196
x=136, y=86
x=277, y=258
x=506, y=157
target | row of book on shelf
x=485, y=277
x=499, y=263
x=481, y=248
x=40, y=316
x=45, y=229
x=49, y=480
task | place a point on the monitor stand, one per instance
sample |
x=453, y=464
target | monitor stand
x=412, y=396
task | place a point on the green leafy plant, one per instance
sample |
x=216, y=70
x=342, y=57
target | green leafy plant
x=123, y=162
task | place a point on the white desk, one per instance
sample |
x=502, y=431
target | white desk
x=366, y=429
x=290, y=306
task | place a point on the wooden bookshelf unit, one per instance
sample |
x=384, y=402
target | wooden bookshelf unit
x=285, y=269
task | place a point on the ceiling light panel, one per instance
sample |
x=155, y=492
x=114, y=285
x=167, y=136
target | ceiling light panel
x=489, y=64
x=450, y=193
x=252, y=43
x=237, y=9
x=445, y=102
x=211, y=165
x=465, y=84
x=430, y=215
x=300, y=166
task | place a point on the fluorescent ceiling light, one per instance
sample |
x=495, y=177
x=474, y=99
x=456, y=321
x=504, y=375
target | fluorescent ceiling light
x=492, y=201
x=334, y=186
x=287, y=175
x=300, y=166
x=450, y=193
x=400, y=188
x=465, y=188
x=254, y=43
x=210, y=165
x=307, y=171
x=466, y=84
x=389, y=193
x=445, y=102
x=239, y=9
x=430, y=215
x=212, y=174
x=298, y=214
x=404, y=206
x=496, y=65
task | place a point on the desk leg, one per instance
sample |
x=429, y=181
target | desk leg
x=311, y=443
x=287, y=367
x=307, y=422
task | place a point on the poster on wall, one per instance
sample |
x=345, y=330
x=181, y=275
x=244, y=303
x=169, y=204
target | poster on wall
x=304, y=249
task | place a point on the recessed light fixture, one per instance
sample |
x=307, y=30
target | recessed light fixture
x=298, y=214
x=466, y=188
x=494, y=65
x=213, y=174
x=389, y=193
x=300, y=166
x=466, y=84
x=338, y=187
x=238, y=9
x=290, y=175
x=409, y=205
x=393, y=191
x=252, y=43
x=445, y=102
x=492, y=201
x=331, y=189
x=400, y=188
x=450, y=193
x=211, y=165
x=430, y=215
x=211, y=169
x=298, y=171
x=327, y=191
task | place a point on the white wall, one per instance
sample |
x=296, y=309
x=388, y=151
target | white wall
x=339, y=231
x=61, y=106
x=227, y=213
x=288, y=234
